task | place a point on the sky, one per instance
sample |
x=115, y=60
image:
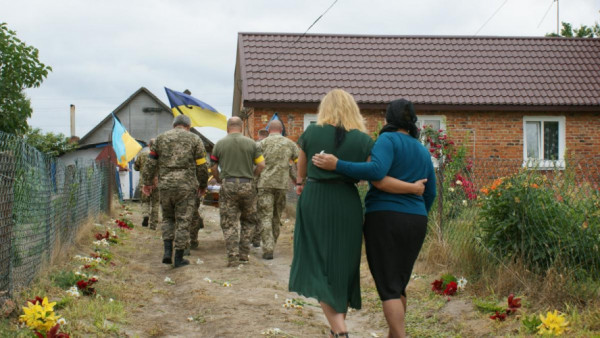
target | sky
x=101, y=52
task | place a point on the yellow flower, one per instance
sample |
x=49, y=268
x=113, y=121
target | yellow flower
x=553, y=324
x=40, y=317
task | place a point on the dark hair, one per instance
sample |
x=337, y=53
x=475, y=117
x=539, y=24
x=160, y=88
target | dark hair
x=400, y=114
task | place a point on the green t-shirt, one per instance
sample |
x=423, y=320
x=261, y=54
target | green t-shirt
x=355, y=147
x=236, y=155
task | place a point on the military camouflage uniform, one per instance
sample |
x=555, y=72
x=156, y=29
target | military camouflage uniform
x=180, y=160
x=273, y=184
x=236, y=156
x=149, y=203
x=197, y=223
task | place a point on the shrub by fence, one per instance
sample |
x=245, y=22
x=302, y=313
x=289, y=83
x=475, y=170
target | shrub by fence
x=42, y=203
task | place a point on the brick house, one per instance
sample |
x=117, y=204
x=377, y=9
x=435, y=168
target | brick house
x=502, y=97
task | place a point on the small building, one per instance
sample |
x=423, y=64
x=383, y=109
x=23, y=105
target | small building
x=144, y=116
x=503, y=97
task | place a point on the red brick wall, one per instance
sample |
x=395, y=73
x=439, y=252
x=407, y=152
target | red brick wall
x=487, y=134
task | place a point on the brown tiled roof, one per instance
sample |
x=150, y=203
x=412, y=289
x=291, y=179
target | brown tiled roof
x=428, y=70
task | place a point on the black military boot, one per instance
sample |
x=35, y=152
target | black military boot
x=200, y=223
x=168, y=252
x=145, y=221
x=179, y=261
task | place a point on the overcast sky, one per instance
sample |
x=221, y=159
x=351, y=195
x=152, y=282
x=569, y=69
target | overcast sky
x=103, y=51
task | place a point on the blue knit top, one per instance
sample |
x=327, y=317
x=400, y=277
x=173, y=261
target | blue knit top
x=400, y=156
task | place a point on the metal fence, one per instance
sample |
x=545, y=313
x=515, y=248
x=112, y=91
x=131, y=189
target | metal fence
x=544, y=215
x=42, y=205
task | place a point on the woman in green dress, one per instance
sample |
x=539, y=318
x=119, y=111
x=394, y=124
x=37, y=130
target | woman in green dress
x=328, y=232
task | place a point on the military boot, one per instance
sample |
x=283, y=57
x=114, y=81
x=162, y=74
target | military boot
x=186, y=252
x=179, y=261
x=145, y=221
x=168, y=252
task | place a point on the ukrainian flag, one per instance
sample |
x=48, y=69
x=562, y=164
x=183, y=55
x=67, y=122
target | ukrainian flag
x=201, y=114
x=125, y=146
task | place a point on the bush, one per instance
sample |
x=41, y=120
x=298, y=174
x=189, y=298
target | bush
x=546, y=222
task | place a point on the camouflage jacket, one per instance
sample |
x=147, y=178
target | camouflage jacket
x=180, y=160
x=278, y=152
x=140, y=160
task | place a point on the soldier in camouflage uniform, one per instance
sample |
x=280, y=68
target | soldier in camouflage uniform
x=273, y=184
x=149, y=203
x=179, y=158
x=197, y=224
x=236, y=156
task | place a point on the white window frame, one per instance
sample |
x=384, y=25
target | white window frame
x=440, y=118
x=308, y=118
x=541, y=163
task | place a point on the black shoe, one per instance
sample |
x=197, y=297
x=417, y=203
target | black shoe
x=168, y=252
x=145, y=221
x=179, y=261
x=268, y=255
x=201, y=223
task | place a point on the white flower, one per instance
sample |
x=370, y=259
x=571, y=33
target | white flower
x=289, y=301
x=61, y=321
x=190, y=319
x=169, y=280
x=226, y=284
x=110, y=300
x=451, y=189
x=458, y=182
x=99, y=260
x=73, y=292
x=199, y=261
x=95, y=277
x=206, y=279
x=465, y=203
x=461, y=283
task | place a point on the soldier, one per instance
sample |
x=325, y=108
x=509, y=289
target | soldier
x=273, y=184
x=262, y=134
x=236, y=154
x=180, y=160
x=197, y=224
x=149, y=203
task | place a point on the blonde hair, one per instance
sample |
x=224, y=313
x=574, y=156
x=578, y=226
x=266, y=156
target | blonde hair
x=339, y=109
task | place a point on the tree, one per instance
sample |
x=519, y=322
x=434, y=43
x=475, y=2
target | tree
x=19, y=69
x=49, y=143
x=584, y=31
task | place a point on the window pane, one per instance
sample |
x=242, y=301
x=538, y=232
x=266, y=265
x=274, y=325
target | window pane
x=532, y=134
x=550, y=140
x=435, y=124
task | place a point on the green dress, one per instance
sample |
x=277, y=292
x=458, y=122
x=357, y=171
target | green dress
x=329, y=219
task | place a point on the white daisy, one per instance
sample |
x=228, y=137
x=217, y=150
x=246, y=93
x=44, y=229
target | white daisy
x=61, y=321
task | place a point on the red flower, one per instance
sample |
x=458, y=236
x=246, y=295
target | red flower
x=436, y=286
x=82, y=285
x=36, y=300
x=450, y=289
x=513, y=304
x=53, y=333
x=498, y=316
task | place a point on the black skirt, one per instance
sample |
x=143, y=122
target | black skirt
x=393, y=241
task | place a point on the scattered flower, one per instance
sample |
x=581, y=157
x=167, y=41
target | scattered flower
x=498, y=316
x=206, y=279
x=110, y=300
x=61, y=321
x=554, y=323
x=458, y=182
x=169, y=281
x=451, y=189
x=73, y=292
x=39, y=316
x=513, y=304
x=227, y=284
x=465, y=203
x=462, y=283
x=199, y=261
x=190, y=319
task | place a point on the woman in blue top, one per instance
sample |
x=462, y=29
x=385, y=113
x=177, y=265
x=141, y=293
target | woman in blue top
x=395, y=222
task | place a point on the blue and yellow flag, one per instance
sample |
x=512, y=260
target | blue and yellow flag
x=276, y=117
x=201, y=114
x=125, y=146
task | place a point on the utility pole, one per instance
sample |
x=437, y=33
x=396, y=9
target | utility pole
x=557, y=19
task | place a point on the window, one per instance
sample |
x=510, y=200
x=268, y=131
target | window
x=436, y=121
x=309, y=119
x=544, y=141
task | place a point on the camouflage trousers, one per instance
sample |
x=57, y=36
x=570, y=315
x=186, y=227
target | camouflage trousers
x=271, y=203
x=197, y=222
x=237, y=203
x=150, y=206
x=177, y=211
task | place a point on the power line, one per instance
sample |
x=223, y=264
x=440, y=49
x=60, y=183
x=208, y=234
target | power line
x=491, y=17
x=545, y=14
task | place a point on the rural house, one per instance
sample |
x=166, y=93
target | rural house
x=503, y=97
x=144, y=116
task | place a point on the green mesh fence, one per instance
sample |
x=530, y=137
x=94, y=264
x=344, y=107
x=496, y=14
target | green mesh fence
x=42, y=203
x=545, y=215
